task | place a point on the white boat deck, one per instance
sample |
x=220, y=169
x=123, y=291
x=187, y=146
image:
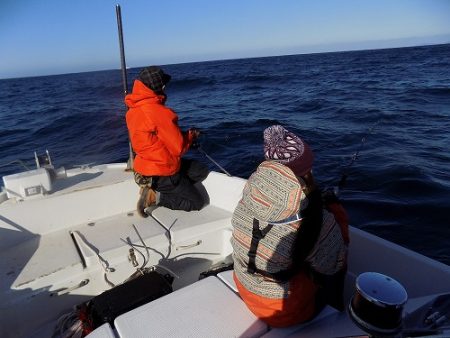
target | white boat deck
x=64, y=247
x=73, y=243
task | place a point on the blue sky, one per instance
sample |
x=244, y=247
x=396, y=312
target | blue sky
x=42, y=37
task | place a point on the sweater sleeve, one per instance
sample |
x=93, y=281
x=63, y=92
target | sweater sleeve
x=341, y=218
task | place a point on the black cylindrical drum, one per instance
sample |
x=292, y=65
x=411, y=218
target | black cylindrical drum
x=377, y=305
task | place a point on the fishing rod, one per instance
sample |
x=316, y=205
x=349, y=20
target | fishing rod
x=200, y=149
x=355, y=156
x=130, y=161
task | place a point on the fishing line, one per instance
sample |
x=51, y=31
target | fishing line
x=355, y=156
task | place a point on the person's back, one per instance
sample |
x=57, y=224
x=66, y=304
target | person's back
x=263, y=251
x=287, y=247
x=166, y=179
x=154, y=133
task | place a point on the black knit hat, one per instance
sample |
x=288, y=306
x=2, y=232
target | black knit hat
x=154, y=78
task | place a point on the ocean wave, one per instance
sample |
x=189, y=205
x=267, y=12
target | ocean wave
x=191, y=83
x=6, y=134
x=388, y=109
x=434, y=91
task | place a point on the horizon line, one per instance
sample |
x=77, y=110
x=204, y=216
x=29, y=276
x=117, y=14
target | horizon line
x=356, y=49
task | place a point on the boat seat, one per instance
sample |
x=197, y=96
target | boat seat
x=205, y=232
x=328, y=311
x=207, y=308
x=227, y=278
x=106, y=237
x=104, y=331
x=328, y=323
x=181, y=223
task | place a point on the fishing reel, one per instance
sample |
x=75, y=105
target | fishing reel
x=330, y=195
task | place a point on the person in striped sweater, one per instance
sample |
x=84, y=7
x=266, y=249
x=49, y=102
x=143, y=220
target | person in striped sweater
x=289, y=245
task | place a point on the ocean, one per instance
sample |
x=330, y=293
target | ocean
x=381, y=117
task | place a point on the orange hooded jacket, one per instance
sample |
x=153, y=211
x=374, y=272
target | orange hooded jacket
x=154, y=133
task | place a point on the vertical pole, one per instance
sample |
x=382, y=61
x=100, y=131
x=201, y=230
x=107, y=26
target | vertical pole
x=122, y=50
x=124, y=76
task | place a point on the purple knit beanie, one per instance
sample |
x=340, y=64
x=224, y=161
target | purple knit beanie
x=287, y=148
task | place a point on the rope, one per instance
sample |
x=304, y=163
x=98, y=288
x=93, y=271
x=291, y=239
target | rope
x=16, y=161
x=145, y=246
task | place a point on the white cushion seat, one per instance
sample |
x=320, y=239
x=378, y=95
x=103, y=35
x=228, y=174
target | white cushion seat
x=227, y=278
x=207, y=308
x=104, y=331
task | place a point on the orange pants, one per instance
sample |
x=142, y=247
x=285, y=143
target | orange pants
x=298, y=307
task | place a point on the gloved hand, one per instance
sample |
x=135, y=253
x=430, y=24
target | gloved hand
x=195, y=135
x=194, y=132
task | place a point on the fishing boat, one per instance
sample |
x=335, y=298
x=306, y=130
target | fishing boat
x=77, y=260
x=68, y=236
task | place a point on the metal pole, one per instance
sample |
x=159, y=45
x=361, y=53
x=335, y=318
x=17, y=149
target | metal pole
x=124, y=77
x=122, y=50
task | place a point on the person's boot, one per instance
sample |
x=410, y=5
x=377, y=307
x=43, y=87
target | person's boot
x=146, y=199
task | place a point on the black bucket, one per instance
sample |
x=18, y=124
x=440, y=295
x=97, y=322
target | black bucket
x=377, y=305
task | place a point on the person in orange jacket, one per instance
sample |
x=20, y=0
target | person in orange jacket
x=165, y=178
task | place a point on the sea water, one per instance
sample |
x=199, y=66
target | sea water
x=382, y=117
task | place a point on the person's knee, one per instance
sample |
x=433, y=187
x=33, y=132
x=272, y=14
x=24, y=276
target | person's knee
x=191, y=204
x=198, y=204
x=196, y=171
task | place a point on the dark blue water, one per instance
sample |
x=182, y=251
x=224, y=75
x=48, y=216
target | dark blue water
x=390, y=107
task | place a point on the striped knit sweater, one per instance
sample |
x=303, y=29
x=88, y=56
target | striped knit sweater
x=271, y=194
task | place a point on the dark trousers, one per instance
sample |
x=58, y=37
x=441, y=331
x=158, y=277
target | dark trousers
x=177, y=192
